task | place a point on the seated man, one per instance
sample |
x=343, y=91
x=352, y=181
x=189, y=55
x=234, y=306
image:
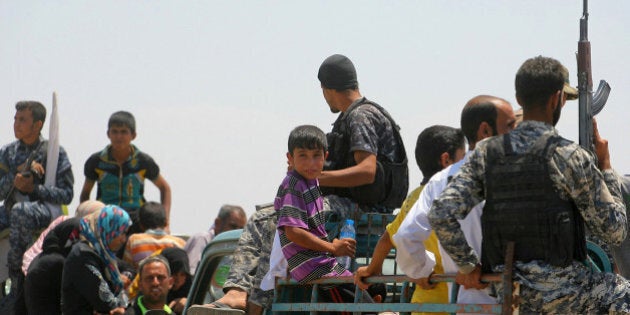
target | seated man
x=155, y=283
x=250, y=263
x=32, y=190
x=229, y=218
x=366, y=169
x=182, y=279
x=153, y=221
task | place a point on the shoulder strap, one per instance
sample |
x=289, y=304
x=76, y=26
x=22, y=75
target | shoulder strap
x=395, y=127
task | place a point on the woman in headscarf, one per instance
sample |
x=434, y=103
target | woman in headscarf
x=91, y=281
x=42, y=285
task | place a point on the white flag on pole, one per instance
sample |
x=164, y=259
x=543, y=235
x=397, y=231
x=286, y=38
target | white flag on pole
x=53, y=155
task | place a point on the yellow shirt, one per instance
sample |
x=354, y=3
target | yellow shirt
x=439, y=294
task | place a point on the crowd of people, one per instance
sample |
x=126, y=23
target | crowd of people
x=87, y=264
x=519, y=182
x=458, y=220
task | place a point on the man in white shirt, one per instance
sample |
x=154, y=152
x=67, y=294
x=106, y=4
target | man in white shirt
x=482, y=117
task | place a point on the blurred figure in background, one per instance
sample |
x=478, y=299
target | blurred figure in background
x=230, y=217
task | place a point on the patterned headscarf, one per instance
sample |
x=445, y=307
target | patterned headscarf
x=87, y=207
x=99, y=229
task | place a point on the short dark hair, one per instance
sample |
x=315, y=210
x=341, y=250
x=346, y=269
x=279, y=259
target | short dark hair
x=177, y=259
x=537, y=79
x=37, y=109
x=226, y=211
x=152, y=215
x=152, y=259
x=122, y=118
x=474, y=114
x=307, y=137
x=431, y=143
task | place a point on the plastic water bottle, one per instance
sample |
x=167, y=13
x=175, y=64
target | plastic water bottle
x=347, y=231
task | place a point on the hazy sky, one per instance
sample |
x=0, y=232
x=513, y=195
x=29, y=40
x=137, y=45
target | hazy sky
x=216, y=86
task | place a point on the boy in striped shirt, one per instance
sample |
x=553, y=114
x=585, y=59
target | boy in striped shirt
x=301, y=219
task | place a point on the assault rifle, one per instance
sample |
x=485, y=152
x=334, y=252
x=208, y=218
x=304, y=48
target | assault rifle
x=589, y=104
x=11, y=197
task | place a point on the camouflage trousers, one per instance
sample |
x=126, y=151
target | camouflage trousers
x=349, y=209
x=621, y=255
x=343, y=207
x=250, y=261
x=24, y=219
x=571, y=290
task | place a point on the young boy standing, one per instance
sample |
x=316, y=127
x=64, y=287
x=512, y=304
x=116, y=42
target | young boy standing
x=301, y=221
x=120, y=170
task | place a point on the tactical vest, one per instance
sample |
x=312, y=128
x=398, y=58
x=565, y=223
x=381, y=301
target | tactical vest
x=391, y=181
x=523, y=206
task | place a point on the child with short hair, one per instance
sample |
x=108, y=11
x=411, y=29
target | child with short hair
x=120, y=170
x=301, y=221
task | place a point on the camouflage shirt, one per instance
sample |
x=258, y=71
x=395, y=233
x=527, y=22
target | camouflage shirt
x=15, y=154
x=371, y=131
x=575, y=177
x=366, y=126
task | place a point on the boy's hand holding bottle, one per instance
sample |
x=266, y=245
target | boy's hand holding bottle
x=344, y=247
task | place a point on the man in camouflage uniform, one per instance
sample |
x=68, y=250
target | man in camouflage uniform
x=251, y=258
x=22, y=188
x=621, y=253
x=582, y=190
x=250, y=263
x=365, y=149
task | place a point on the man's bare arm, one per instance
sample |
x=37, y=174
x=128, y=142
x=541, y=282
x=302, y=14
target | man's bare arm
x=87, y=189
x=165, y=196
x=375, y=267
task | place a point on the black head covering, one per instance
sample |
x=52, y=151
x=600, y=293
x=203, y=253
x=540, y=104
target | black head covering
x=177, y=259
x=337, y=72
x=56, y=241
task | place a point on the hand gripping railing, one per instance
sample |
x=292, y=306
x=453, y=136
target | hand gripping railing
x=284, y=301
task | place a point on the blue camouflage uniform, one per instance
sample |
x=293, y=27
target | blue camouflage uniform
x=621, y=253
x=575, y=176
x=364, y=127
x=26, y=217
